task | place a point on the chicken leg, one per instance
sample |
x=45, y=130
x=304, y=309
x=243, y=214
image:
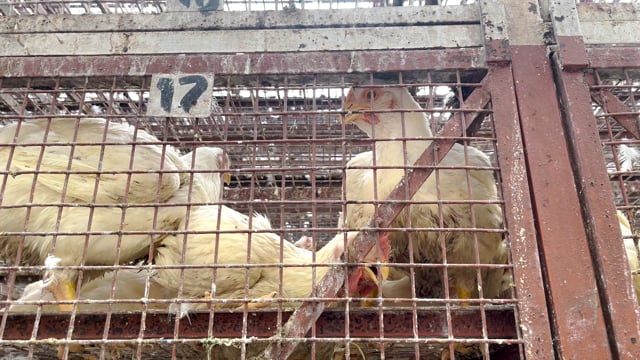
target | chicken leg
x=257, y=304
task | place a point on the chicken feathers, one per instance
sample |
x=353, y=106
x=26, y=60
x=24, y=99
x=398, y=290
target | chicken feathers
x=390, y=114
x=228, y=253
x=129, y=285
x=76, y=184
x=207, y=182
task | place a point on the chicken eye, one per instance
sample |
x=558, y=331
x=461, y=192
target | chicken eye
x=371, y=94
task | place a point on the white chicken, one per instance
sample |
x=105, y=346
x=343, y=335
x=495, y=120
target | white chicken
x=390, y=115
x=264, y=262
x=305, y=242
x=77, y=188
x=208, y=165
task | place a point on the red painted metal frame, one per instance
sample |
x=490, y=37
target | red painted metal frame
x=571, y=284
x=536, y=335
x=362, y=323
x=613, y=57
x=575, y=307
x=536, y=331
x=594, y=189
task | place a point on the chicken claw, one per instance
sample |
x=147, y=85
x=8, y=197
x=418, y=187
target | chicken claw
x=207, y=296
x=257, y=304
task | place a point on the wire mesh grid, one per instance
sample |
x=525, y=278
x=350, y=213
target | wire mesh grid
x=71, y=7
x=285, y=149
x=616, y=106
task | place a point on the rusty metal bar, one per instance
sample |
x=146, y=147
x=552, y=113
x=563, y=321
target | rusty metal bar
x=613, y=57
x=612, y=105
x=532, y=309
x=303, y=317
x=599, y=212
x=568, y=34
x=246, y=64
x=570, y=278
x=365, y=323
x=243, y=20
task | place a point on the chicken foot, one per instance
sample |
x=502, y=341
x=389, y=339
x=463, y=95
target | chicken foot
x=257, y=304
x=64, y=290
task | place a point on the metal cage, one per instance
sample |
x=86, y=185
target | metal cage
x=111, y=184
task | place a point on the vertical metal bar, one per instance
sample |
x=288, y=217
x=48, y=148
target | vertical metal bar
x=598, y=210
x=573, y=294
x=532, y=310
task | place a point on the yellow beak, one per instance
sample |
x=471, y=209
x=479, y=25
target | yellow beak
x=353, y=113
x=351, y=117
x=384, y=273
x=227, y=179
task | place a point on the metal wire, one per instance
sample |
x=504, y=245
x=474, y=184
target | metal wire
x=287, y=150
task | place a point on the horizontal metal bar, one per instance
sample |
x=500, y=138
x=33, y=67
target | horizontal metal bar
x=245, y=20
x=590, y=12
x=243, y=64
x=241, y=41
x=467, y=323
x=614, y=57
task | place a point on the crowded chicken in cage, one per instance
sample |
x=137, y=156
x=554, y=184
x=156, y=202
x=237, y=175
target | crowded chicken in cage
x=114, y=216
x=105, y=211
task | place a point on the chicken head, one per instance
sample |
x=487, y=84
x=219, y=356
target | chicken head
x=364, y=280
x=380, y=111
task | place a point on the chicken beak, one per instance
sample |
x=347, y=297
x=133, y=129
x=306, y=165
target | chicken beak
x=360, y=114
x=365, y=280
x=384, y=273
x=378, y=257
x=227, y=179
x=368, y=284
x=351, y=116
x=353, y=112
